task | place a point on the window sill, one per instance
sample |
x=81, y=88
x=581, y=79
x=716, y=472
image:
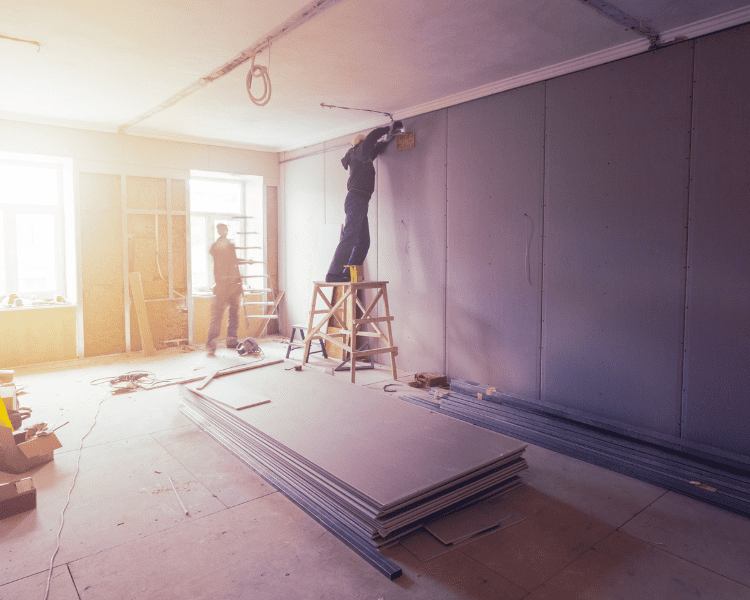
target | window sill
x=37, y=306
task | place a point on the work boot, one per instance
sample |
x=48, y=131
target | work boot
x=334, y=278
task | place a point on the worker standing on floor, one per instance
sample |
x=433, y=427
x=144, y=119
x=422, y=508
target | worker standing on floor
x=355, y=238
x=227, y=291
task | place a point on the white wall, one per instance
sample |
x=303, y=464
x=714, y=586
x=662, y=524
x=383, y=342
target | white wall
x=98, y=152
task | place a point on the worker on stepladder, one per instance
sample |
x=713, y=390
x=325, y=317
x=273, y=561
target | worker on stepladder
x=227, y=290
x=355, y=238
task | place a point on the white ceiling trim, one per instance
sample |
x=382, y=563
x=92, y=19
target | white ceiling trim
x=639, y=45
x=693, y=30
x=710, y=25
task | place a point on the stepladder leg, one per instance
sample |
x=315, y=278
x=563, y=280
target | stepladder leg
x=308, y=337
x=390, y=332
x=351, y=316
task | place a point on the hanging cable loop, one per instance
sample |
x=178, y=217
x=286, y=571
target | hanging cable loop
x=261, y=72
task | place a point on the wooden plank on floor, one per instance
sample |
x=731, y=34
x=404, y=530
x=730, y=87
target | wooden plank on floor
x=136, y=291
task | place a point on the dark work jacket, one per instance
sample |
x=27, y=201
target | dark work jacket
x=359, y=162
x=226, y=268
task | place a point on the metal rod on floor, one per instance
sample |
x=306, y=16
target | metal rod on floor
x=178, y=496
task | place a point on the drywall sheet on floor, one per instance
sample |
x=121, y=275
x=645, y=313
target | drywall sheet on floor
x=411, y=252
x=495, y=178
x=394, y=450
x=617, y=151
x=302, y=217
x=717, y=344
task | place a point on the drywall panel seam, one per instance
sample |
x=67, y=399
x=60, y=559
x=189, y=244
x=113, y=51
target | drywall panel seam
x=169, y=237
x=125, y=266
x=445, y=247
x=541, y=244
x=686, y=280
x=189, y=265
x=79, y=263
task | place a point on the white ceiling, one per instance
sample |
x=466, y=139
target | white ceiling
x=136, y=66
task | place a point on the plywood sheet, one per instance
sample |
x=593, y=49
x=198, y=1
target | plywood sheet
x=103, y=296
x=495, y=192
x=178, y=194
x=146, y=193
x=615, y=223
x=136, y=291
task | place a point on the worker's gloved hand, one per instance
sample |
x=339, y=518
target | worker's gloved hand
x=396, y=127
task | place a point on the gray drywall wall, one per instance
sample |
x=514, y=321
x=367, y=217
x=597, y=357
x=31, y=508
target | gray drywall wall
x=645, y=299
x=411, y=252
x=717, y=380
x=495, y=177
x=302, y=221
x=615, y=218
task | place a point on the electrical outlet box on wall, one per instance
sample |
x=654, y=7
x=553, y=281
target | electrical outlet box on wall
x=405, y=141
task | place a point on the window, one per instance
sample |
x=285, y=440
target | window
x=37, y=260
x=216, y=198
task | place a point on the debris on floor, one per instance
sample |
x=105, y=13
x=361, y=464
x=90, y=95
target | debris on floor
x=429, y=379
x=16, y=497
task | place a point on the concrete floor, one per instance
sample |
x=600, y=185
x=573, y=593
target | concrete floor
x=587, y=533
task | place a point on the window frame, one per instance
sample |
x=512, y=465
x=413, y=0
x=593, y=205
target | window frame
x=10, y=212
x=212, y=219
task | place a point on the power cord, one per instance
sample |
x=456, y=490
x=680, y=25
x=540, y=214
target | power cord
x=261, y=72
x=70, y=491
x=128, y=382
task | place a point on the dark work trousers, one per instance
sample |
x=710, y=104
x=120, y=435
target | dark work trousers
x=355, y=238
x=224, y=296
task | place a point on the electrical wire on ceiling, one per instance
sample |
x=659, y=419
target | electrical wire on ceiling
x=12, y=39
x=260, y=72
x=305, y=14
x=380, y=112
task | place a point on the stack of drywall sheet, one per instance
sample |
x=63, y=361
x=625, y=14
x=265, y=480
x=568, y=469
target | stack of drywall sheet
x=706, y=473
x=365, y=463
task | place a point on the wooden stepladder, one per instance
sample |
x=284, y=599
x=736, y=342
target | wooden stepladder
x=343, y=312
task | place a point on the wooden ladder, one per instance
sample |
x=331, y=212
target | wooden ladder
x=343, y=312
x=270, y=298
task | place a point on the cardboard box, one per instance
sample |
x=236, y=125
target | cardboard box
x=9, y=396
x=17, y=497
x=18, y=455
